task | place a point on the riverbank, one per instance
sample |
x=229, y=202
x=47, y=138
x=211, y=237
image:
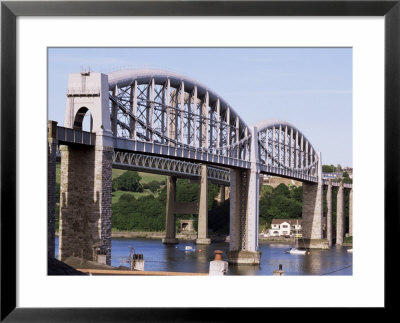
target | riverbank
x=158, y=235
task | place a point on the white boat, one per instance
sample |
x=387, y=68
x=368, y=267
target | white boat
x=350, y=250
x=189, y=248
x=295, y=251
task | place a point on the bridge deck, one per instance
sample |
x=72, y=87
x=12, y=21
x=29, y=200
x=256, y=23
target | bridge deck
x=175, y=161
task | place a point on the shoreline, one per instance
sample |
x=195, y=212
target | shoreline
x=158, y=235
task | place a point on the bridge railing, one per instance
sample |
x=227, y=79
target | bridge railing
x=75, y=136
x=336, y=183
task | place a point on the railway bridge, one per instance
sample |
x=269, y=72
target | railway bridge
x=162, y=122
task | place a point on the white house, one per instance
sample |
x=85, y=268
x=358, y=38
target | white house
x=284, y=227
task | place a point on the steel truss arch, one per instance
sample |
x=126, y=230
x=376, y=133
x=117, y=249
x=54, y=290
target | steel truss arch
x=166, y=108
x=284, y=150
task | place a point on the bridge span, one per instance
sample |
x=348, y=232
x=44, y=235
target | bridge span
x=166, y=123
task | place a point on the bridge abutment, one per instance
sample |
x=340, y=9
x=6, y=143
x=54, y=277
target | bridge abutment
x=85, y=202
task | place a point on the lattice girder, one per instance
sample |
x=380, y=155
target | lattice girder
x=283, y=149
x=170, y=109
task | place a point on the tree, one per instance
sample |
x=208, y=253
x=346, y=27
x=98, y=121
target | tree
x=128, y=181
x=153, y=186
x=282, y=202
x=328, y=168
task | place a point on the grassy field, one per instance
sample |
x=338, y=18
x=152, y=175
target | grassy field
x=117, y=194
x=148, y=177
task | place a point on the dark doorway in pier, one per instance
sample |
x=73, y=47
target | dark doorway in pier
x=83, y=120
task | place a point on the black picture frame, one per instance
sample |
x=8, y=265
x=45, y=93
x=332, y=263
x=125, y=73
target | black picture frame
x=10, y=10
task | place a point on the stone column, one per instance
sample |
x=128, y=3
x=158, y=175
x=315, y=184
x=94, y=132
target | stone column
x=51, y=186
x=253, y=211
x=329, y=213
x=351, y=212
x=202, y=236
x=235, y=239
x=312, y=212
x=244, y=196
x=170, y=210
x=85, y=202
x=103, y=188
x=340, y=216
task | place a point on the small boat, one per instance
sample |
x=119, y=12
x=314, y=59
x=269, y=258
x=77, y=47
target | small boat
x=350, y=250
x=189, y=248
x=295, y=251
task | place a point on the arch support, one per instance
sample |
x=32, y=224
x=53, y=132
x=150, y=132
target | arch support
x=312, y=212
x=170, y=234
x=85, y=203
x=244, y=196
x=202, y=230
x=340, y=216
x=86, y=174
x=329, y=213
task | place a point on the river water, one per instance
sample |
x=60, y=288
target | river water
x=160, y=257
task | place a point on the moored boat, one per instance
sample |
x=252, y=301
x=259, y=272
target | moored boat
x=295, y=251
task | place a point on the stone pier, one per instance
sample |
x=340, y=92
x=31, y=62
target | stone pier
x=340, y=216
x=312, y=213
x=351, y=212
x=170, y=230
x=329, y=214
x=85, y=202
x=202, y=230
x=86, y=172
x=244, y=193
x=51, y=186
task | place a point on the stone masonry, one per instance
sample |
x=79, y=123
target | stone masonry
x=85, y=202
x=202, y=235
x=329, y=213
x=351, y=212
x=51, y=186
x=312, y=211
x=340, y=216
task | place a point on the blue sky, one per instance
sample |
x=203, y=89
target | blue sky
x=308, y=87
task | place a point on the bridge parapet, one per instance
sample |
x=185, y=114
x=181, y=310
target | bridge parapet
x=68, y=135
x=337, y=184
